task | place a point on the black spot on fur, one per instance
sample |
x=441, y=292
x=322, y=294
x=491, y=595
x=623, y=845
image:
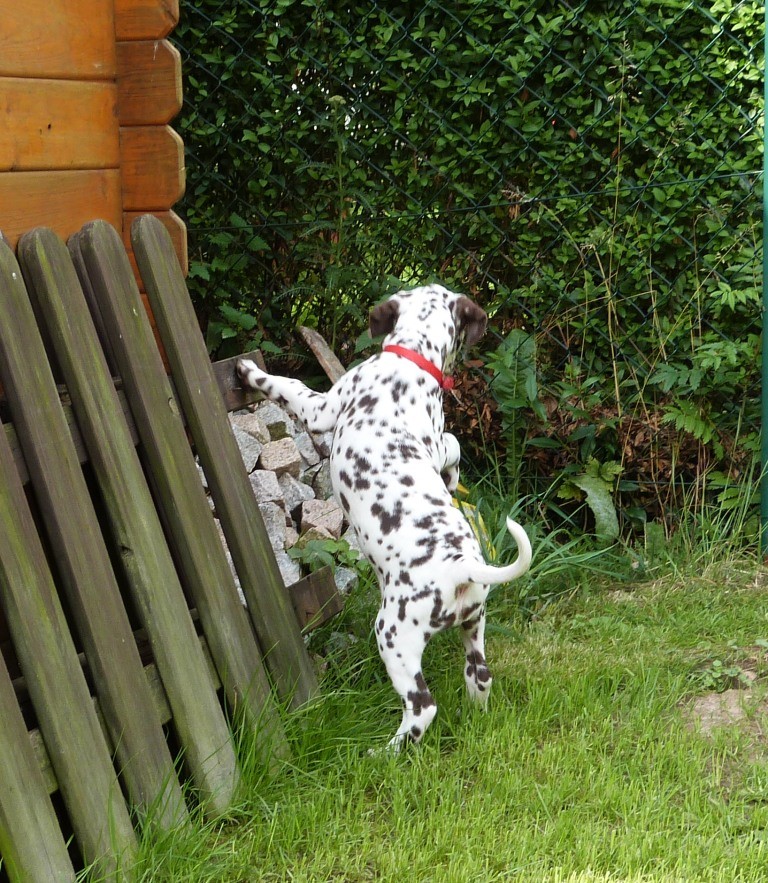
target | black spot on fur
x=439, y=619
x=389, y=521
x=367, y=402
x=420, y=698
x=477, y=668
x=398, y=389
x=469, y=619
x=429, y=542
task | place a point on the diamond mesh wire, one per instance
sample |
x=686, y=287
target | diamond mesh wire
x=589, y=171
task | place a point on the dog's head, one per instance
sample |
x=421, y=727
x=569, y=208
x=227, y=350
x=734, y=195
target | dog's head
x=432, y=320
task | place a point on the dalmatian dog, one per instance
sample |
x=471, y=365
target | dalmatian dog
x=393, y=469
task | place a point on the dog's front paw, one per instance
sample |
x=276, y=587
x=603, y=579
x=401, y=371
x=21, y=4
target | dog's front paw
x=250, y=374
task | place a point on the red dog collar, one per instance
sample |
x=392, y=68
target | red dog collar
x=417, y=359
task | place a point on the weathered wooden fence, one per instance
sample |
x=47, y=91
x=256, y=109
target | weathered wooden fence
x=120, y=621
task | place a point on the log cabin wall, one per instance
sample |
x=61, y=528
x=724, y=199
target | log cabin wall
x=87, y=89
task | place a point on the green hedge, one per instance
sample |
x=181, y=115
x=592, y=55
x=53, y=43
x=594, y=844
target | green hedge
x=588, y=171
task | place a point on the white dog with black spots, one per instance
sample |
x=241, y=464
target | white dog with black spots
x=393, y=469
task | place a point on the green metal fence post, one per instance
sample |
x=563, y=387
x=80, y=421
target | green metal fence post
x=764, y=389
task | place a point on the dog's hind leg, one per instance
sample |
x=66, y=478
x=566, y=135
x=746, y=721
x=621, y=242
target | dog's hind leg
x=317, y=411
x=402, y=658
x=476, y=674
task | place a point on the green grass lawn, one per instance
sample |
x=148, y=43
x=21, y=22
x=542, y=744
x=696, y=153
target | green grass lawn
x=586, y=767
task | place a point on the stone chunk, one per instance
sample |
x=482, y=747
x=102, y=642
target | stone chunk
x=323, y=514
x=231, y=563
x=281, y=456
x=274, y=521
x=294, y=492
x=278, y=422
x=346, y=579
x=307, y=449
x=290, y=568
x=253, y=425
x=323, y=442
x=353, y=541
x=321, y=481
x=265, y=486
x=250, y=449
x=313, y=533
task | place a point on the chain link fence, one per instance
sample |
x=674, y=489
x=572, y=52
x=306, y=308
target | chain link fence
x=589, y=172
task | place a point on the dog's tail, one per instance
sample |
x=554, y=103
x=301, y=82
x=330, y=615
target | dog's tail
x=489, y=574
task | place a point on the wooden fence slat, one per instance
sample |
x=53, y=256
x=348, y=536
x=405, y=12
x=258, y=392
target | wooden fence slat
x=135, y=526
x=152, y=166
x=198, y=391
x=43, y=644
x=31, y=842
x=89, y=581
x=175, y=227
x=176, y=482
x=62, y=200
x=58, y=38
x=148, y=82
x=58, y=124
x=145, y=19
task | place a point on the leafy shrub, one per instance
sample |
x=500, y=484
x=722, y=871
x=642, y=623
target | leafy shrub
x=586, y=170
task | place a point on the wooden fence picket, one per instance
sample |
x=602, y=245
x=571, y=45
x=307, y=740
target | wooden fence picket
x=31, y=842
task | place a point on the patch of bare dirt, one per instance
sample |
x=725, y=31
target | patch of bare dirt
x=715, y=710
x=744, y=704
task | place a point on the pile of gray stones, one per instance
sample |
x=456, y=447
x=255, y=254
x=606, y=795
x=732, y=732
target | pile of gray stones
x=290, y=475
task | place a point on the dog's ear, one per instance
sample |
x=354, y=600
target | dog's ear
x=383, y=317
x=471, y=319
